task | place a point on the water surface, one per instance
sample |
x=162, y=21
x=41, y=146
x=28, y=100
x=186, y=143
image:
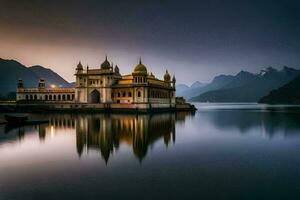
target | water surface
x=225, y=151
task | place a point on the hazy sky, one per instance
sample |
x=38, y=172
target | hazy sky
x=196, y=40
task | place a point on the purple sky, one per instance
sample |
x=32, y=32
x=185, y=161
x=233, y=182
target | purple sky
x=196, y=40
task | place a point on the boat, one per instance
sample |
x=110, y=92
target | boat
x=16, y=118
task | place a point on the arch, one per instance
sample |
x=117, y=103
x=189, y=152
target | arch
x=46, y=97
x=50, y=97
x=94, y=96
x=68, y=97
x=139, y=94
x=27, y=97
x=63, y=97
x=59, y=97
x=54, y=97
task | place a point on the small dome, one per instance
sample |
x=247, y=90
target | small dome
x=151, y=75
x=105, y=64
x=79, y=66
x=167, y=76
x=140, y=68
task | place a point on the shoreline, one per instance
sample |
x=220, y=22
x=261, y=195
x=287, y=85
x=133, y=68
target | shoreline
x=94, y=108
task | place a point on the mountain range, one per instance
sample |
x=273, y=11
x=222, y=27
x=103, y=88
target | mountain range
x=242, y=87
x=13, y=70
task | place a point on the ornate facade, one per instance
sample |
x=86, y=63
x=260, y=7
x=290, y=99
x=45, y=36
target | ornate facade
x=105, y=85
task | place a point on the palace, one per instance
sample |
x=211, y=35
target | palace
x=105, y=87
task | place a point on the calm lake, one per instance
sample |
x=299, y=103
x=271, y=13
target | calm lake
x=224, y=151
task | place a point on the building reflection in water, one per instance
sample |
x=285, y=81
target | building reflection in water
x=105, y=133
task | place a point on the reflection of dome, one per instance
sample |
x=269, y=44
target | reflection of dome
x=79, y=66
x=167, y=76
x=105, y=64
x=140, y=68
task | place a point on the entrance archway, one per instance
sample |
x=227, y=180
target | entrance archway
x=95, y=96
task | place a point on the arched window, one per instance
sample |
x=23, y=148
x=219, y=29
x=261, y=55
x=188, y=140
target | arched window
x=68, y=97
x=139, y=94
x=129, y=94
x=35, y=97
x=63, y=97
x=124, y=94
x=50, y=97
x=27, y=97
x=112, y=95
x=73, y=97
x=31, y=97
x=59, y=97
x=54, y=97
x=46, y=97
x=119, y=94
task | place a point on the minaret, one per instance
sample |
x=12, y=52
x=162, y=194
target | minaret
x=41, y=84
x=79, y=68
x=174, y=81
x=20, y=84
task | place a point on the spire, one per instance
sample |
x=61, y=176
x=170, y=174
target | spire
x=106, y=57
x=140, y=62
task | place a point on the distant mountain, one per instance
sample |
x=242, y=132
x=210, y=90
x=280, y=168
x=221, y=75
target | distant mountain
x=181, y=88
x=197, y=84
x=218, y=82
x=50, y=76
x=287, y=94
x=13, y=70
x=248, y=87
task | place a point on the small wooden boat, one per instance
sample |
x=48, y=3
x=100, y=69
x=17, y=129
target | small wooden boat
x=16, y=118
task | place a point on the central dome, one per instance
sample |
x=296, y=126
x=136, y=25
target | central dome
x=140, y=68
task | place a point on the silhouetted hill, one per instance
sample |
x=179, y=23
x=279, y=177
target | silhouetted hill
x=287, y=94
x=12, y=70
x=248, y=87
x=50, y=76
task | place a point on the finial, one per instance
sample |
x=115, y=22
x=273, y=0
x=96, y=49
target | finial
x=106, y=57
x=140, y=62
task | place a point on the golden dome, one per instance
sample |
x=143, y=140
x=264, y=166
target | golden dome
x=140, y=68
x=105, y=64
x=167, y=76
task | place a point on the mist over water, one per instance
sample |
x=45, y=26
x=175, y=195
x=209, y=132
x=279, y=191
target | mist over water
x=226, y=151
